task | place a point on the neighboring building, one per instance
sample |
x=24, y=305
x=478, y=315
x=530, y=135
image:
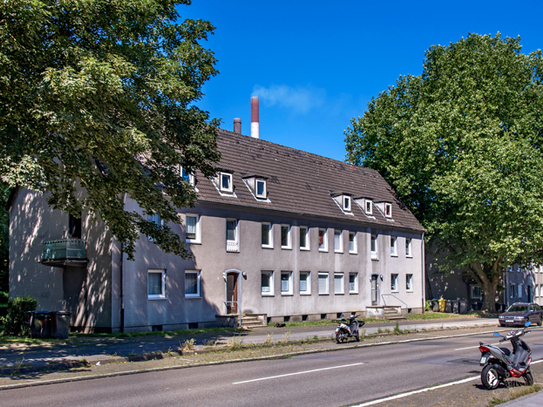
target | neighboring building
x=278, y=232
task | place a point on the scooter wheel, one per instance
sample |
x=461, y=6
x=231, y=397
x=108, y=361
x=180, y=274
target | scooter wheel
x=490, y=377
x=340, y=337
x=528, y=378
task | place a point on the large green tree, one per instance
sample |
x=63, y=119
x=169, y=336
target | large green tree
x=98, y=96
x=461, y=145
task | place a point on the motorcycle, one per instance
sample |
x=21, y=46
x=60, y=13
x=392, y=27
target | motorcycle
x=344, y=330
x=500, y=363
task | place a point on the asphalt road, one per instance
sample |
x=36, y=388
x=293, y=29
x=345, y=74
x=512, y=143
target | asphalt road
x=337, y=378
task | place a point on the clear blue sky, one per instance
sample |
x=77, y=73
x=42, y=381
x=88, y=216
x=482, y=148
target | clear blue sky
x=316, y=64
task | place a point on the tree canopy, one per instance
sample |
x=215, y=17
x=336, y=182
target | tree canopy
x=98, y=96
x=461, y=144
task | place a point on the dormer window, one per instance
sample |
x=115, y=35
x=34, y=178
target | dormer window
x=343, y=200
x=346, y=203
x=226, y=182
x=261, y=188
x=388, y=210
x=368, y=208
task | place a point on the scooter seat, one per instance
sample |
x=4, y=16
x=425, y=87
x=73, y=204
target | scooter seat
x=506, y=351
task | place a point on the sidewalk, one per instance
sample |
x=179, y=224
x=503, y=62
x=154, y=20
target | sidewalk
x=99, y=349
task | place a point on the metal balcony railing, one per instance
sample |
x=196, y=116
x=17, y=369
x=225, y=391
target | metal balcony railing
x=62, y=250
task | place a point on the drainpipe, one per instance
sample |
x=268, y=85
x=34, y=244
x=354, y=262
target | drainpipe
x=121, y=272
x=423, y=276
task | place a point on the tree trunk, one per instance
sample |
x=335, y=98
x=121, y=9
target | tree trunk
x=488, y=276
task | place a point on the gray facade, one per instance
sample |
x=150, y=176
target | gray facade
x=286, y=235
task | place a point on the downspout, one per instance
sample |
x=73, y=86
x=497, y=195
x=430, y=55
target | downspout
x=121, y=273
x=423, y=275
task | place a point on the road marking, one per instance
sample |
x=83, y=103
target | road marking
x=297, y=373
x=472, y=347
x=410, y=393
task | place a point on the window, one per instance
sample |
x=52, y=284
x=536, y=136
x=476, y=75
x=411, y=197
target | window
x=187, y=176
x=154, y=218
x=192, y=284
x=353, y=283
x=261, y=188
x=388, y=210
x=409, y=282
x=512, y=290
x=374, y=247
x=286, y=282
x=475, y=292
x=232, y=243
x=323, y=241
x=267, y=236
x=338, y=241
x=285, y=236
x=339, y=283
x=368, y=207
x=520, y=291
x=305, y=282
x=323, y=284
x=394, y=282
x=192, y=228
x=266, y=282
x=346, y=203
x=226, y=182
x=304, y=238
x=353, y=247
x=393, y=246
x=408, y=248
x=156, y=284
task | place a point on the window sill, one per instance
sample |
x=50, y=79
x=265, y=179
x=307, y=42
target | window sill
x=193, y=241
x=353, y=293
x=393, y=255
x=306, y=294
x=286, y=248
x=409, y=291
x=305, y=249
x=338, y=252
x=267, y=295
x=191, y=297
x=323, y=251
x=408, y=256
x=353, y=252
x=324, y=293
x=156, y=298
x=394, y=291
x=267, y=247
x=375, y=258
x=287, y=294
x=339, y=293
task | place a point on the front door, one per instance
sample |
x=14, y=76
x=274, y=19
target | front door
x=374, y=289
x=232, y=293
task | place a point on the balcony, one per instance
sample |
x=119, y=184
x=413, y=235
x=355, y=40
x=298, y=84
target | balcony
x=64, y=252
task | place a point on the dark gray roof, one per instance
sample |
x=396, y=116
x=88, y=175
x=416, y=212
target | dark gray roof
x=301, y=183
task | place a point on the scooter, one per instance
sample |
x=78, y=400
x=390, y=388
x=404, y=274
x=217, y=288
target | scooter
x=501, y=363
x=344, y=330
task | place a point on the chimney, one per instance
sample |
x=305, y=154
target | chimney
x=254, y=117
x=237, y=125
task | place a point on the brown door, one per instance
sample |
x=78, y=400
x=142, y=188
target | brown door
x=232, y=293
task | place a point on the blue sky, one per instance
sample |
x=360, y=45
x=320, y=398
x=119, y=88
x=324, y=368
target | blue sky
x=316, y=64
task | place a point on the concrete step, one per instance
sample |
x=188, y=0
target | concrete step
x=251, y=321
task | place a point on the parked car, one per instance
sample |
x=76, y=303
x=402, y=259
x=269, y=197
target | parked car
x=521, y=312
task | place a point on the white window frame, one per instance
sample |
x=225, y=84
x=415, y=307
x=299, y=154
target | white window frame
x=197, y=235
x=288, y=235
x=409, y=282
x=339, y=283
x=323, y=247
x=408, y=248
x=230, y=187
x=307, y=291
x=354, y=249
x=198, y=284
x=394, y=283
x=519, y=288
x=353, y=289
x=270, y=291
x=288, y=280
x=368, y=206
x=388, y=210
x=270, y=235
x=162, y=294
x=232, y=245
x=264, y=193
x=187, y=176
x=374, y=248
x=338, y=241
x=394, y=246
x=304, y=230
x=323, y=276
x=347, y=203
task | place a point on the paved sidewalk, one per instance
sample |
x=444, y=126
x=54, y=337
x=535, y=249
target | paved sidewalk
x=532, y=400
x=96, y=349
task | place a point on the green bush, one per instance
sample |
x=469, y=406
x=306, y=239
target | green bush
x=4, y=297
x=16, y=322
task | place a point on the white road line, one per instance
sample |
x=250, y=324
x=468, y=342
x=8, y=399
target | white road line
x=409, y=393
x=472, y=347
x=297, y=373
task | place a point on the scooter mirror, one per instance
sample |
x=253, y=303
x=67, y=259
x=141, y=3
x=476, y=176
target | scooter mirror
x=342, y=315
x=528, y=323
x=496, y=334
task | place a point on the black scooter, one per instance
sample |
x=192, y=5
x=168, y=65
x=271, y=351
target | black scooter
x=500, y=363
x=345, y=331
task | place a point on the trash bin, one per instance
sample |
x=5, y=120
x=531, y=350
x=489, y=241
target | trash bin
x=40, y=324
x=60, y=324
x=435, y=305
x=442, y=305
x=448, y=306
x=454, y=306
x=463, y=307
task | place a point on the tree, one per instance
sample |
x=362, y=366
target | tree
x=98, y=96
x=461, y=145
x=4, y=238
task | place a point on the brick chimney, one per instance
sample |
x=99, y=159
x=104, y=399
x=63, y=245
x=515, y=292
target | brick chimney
x=254, y=117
